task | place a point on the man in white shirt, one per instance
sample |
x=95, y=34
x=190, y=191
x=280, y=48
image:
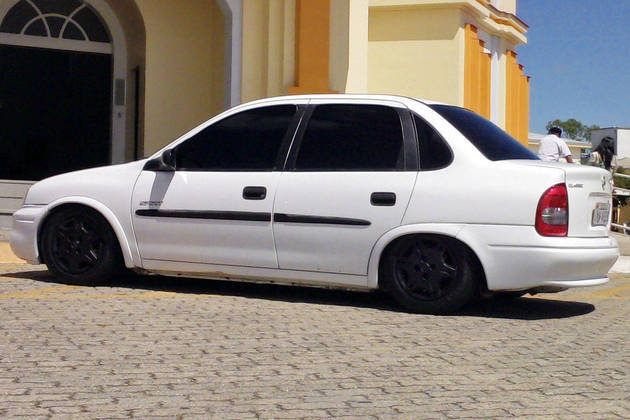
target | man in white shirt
x=552, y=147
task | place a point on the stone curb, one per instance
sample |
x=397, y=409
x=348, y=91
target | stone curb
x=7, y=256
x=622, y=266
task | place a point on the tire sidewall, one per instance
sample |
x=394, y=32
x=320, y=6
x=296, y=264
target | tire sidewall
x=104, y=269
x=462, y=292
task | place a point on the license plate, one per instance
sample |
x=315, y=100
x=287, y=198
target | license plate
x=600, y=214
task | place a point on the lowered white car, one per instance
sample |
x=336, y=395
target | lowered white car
x=427, y=201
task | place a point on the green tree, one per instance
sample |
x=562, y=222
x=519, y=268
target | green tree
x=573, y=129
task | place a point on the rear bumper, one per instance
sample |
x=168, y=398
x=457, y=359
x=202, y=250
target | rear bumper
x=517, y=258
x=24, y=233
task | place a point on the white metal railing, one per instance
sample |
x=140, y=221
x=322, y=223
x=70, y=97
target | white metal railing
x=625, y=192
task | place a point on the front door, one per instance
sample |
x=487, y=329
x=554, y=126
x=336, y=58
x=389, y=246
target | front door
x=348, y=182
x=55, y=111
x=215, y=208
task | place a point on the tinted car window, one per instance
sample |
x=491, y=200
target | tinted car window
x=434, y=152
x=494, y=143
x=352, y=138
x=249, y=140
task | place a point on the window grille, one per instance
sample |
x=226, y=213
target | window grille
x=62, y=19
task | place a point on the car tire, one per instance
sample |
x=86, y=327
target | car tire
x=429, y=274
x=79, y=247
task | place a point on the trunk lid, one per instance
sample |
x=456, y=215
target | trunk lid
x=589, y=191
x=590, y=200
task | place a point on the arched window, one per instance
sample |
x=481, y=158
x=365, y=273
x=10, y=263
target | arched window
x=67, y=19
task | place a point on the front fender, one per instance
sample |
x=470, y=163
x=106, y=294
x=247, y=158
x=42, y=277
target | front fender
x=130, y=254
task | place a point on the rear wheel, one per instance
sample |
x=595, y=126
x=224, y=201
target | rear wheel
x=429, y=274
x=79, y=247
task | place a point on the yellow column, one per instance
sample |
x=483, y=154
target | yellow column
x=470, y=53
x=358, y=42
x=312, y=39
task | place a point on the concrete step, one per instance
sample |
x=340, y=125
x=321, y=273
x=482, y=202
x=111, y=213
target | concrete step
x=11, y=197
x=10, y=204
x=6, y=222
x=12, y=188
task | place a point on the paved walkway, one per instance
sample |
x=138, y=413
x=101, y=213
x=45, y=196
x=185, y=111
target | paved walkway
x=151, y=347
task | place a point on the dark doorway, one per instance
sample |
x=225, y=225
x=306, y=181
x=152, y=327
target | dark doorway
x=55, y=111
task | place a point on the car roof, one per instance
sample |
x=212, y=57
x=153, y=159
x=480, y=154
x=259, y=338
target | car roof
x=342, y=96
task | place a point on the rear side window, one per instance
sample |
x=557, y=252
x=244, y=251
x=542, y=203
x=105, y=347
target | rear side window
x=434, y=152
x=494, y=143
x=352, y=138
x=249, y=140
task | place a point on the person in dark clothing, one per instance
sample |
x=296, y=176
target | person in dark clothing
x=604, y=154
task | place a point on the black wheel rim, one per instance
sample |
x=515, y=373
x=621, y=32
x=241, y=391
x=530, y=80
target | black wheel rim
x=76, y=246
x=426, y=269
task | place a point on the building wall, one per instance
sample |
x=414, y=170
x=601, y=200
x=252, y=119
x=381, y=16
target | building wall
x=416, y=52
x=184, y=67
x=135, y=36
x=623, y=142
x=505, y=5
x=268, y=48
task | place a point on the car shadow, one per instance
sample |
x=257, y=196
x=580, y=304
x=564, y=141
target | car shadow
x=524, y=308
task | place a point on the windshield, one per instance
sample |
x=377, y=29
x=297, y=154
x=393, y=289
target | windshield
x=494, y=143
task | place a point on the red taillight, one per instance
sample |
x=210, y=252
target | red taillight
x=552, y=214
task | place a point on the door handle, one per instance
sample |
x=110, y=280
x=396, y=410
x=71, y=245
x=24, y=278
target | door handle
x=254, y=193
x=383, y=198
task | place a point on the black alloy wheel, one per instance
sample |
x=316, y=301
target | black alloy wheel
x=429, y=274
x=79, y=247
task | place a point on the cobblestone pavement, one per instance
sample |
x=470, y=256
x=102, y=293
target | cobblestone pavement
x=151, y=347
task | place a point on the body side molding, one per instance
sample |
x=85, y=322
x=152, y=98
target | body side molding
x=206, y=214
x=320, y=220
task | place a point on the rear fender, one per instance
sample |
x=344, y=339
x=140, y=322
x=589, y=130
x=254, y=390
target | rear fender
x=444, y=229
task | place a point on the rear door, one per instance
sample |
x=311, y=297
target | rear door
x=348, y=181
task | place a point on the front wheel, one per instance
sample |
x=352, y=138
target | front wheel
x=429, y=274
x=79, y=247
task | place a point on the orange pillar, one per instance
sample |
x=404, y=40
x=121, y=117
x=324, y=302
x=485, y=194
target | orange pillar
x=312, y=43
x=511, y=94
x=524, y=109
x=516, y=100
x=476, y=74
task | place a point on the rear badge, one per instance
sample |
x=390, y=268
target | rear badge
x=576, y=185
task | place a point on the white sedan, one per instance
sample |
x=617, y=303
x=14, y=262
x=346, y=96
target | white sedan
x=427, y=201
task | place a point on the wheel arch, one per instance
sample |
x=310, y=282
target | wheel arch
x=450, y=231
x=101, y=209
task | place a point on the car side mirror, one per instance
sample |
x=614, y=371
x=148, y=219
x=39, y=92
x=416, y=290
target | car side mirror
x=163, y=163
